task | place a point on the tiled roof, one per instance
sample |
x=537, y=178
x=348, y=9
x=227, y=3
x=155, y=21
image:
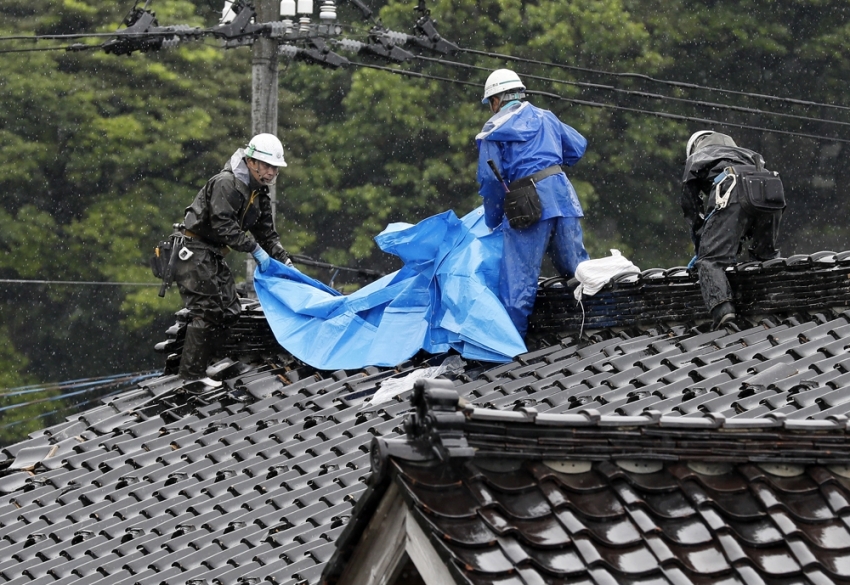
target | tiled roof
x=256, y=480
x=801, y=282
x=529, y=521
x=518, y=497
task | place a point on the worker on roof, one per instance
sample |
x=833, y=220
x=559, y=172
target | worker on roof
x=728, y=196
x=232, y=211
x=522, y=150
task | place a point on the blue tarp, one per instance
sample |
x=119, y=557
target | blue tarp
x=443, y=298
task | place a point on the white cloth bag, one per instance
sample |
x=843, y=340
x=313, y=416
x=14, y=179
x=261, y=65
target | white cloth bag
x=594, y=274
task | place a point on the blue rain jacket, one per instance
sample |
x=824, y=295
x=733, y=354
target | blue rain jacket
x=523, y=139
x=443, y=298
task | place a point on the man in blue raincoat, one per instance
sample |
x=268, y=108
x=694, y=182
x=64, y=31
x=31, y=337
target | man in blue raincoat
x=521, y=152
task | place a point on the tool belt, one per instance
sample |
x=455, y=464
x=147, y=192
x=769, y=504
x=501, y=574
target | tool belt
x=165, y=256
x=758, y=190
x=522, y=203
x=160, y=258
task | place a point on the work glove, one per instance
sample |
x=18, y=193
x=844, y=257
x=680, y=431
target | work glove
x=262, y=258
x=692, y=263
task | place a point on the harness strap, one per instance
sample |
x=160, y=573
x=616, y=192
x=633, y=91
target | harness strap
x=536, y=177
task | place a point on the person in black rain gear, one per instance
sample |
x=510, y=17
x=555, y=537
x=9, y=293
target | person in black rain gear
x=728, y=196
x=232, y=211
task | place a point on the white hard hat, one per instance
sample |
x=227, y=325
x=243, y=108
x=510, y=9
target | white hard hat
x=267, y=148
x=500, y=81
x=692, y=140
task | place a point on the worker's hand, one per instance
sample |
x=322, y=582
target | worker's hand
x=262, y=258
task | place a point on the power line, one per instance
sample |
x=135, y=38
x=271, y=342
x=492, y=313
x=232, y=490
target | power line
x=77, y=282
x=654, y=80
x=689, y=118
x=176, y=32
x=118, y=33
x=611, y=106
x=96, y=383
x=182, y=30
x=41, y=49
x=643, y=94
x=91, y=388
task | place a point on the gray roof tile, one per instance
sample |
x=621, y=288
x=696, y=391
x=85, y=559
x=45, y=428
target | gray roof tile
x=284, y=450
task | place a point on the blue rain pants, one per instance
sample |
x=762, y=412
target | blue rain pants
x=560, y=238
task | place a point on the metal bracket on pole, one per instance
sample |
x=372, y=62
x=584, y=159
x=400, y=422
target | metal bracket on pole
x=320, y=54
x=143, y=34
x=240, y=31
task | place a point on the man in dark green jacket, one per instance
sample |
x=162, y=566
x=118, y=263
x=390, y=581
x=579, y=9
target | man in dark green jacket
x=232, y=211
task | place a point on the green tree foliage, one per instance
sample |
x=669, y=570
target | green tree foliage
x=99, y=153
x=22, y=418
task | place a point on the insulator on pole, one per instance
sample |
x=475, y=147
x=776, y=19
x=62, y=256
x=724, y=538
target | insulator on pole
x=227, y=14
x=328, y=10
x=397, y=38
x=350, y=45
x=278, y=28
x=287, y=7
x=287, y=51
x=305, y=6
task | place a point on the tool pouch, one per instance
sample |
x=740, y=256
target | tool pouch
x=760, y=191
x=160, y=258
x=522, y=206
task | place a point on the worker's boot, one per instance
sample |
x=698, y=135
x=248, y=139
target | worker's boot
x=722, y=314
x=197, y=349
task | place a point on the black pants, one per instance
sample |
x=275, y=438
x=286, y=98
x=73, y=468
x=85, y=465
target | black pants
x=209, y=294
x=721, y=241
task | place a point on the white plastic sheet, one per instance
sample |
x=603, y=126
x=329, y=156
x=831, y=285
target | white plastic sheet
x=392, y=387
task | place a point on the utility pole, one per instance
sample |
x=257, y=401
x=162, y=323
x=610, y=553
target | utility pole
x=264, y=92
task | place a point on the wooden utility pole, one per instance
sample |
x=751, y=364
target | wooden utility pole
x=264, y=88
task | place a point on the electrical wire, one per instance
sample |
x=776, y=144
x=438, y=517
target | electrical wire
x=689, y=118
x=643, y=94
x=653, y=79
x=491, y=54
x=78, y=282
x=612, y=106
x=93, y=389
x=78, y=383
x=44, y=49
x=584, y=85
x=118, y=33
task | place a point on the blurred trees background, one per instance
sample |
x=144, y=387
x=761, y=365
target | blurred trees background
x=100, y=153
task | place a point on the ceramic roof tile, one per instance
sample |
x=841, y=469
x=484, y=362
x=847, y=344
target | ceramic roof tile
x=218, y=451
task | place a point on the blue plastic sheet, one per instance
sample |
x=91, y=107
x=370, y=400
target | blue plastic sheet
x=443, y=298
